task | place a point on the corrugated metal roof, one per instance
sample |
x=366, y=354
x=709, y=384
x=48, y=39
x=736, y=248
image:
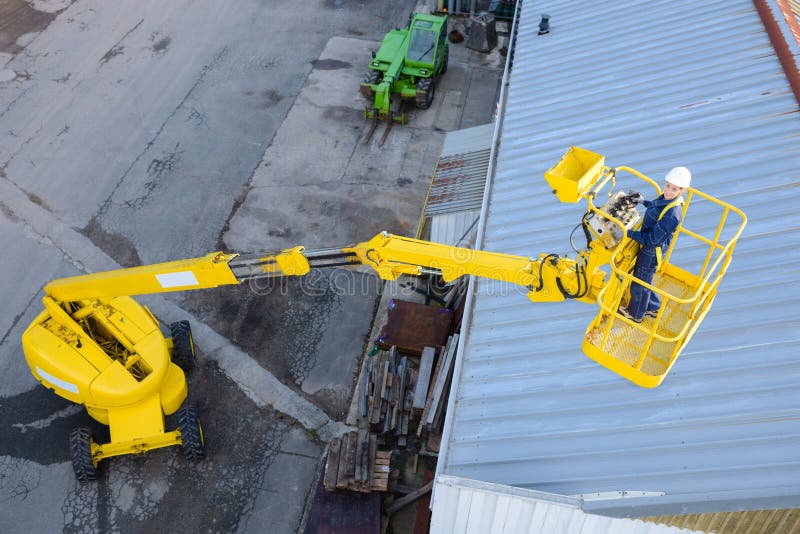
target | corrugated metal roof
x=460, y=177
x=794, y=23
x=650, y=85
x=467, y=506
x=458, y=183
x=794, y=7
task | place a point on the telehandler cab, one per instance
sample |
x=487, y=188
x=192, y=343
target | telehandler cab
x=94, y=345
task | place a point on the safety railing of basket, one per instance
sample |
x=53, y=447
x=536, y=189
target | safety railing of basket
x=703, y=290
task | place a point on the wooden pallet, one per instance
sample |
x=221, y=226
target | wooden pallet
x=380, y=473
x=355, y=464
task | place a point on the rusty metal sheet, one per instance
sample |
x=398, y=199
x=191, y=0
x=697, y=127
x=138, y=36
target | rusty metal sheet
x=411, y=327
x=458, y=183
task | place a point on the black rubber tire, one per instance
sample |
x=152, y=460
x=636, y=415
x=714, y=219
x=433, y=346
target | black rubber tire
x=446, y=59
x=80, y=449
x=425, y=90
x=373, y=77
x=192, y=439
x=182, y=345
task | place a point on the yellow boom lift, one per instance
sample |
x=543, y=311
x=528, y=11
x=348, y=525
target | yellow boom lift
x=94, y=345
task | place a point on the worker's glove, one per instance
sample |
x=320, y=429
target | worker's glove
x=634, y=197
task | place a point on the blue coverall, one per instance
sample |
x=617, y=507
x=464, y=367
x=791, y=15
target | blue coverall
x=653, y=233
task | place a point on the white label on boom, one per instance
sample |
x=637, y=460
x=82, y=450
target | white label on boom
x=181, y=279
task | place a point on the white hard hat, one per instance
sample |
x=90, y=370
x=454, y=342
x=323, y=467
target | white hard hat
x=679, y=176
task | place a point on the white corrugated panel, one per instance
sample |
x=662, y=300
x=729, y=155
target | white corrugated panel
x=468, y=140
x=650, y=85
x=457, y=229
x=463, y=506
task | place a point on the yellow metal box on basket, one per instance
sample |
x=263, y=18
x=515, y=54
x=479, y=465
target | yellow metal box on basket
x=576, y=173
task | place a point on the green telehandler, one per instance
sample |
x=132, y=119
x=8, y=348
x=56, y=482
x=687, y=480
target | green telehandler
x=406, y=67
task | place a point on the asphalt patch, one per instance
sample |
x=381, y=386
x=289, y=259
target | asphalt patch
x=17, y=18
x=330, y=64
x=115, y=245
x=36, y=424
x=270, y=97
x=162, y=45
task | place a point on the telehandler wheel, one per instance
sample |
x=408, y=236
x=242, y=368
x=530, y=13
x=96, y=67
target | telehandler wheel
x=182, y=345
x=191, y=434
x=373, y=77
x=80, y=448
x=446, y=57
x=425, y=89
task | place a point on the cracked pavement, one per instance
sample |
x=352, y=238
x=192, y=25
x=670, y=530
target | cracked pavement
x=143, y=132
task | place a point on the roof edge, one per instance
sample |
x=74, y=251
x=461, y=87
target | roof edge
x=469, y=305
x=502, y=489
x=777, y=38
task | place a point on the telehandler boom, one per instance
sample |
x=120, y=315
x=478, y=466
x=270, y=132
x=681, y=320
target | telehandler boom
x=94, y=345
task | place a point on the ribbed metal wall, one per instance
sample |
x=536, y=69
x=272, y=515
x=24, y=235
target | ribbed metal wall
x=470, y=507
x=794, y=6
x=650, y=85
x=749, y=522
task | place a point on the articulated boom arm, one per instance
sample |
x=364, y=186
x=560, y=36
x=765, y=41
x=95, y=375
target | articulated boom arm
x=547, y=278
x=642, y=351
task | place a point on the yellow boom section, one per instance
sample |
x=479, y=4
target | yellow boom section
x=549, y=278
x=208, y=271
x=392, y=255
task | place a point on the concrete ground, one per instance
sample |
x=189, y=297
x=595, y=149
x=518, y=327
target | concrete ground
x=141, y=132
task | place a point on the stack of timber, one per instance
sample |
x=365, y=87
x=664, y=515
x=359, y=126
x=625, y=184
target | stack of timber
x=388, y=395
x=432, y=416
x=355, y=463
x=402, y=398
x=395, y=395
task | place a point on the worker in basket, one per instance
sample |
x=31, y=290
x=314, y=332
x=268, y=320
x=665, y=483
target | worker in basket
x=661, y=220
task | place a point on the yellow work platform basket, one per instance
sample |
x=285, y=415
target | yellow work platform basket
x=687, y=279
x=687, y=282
